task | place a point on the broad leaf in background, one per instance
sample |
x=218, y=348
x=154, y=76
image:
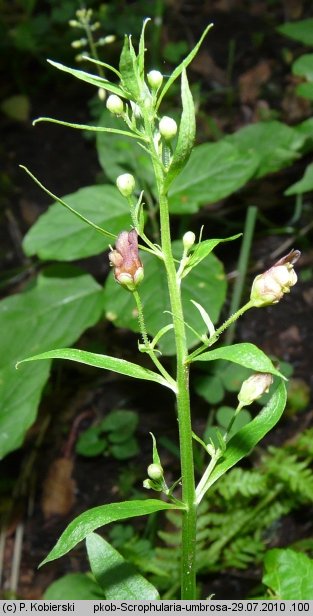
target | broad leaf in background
x=245, y=354
x=106, y=362
x=275, y=144
x=74, y=586
x=118, y=578
x=96, y=517
x=299, y=31
x=214, y=171
x=303, y=67
x=303, y=185
x=59, y=235
x=248, y=437
x=63, y=302
x=205, y=284
x=118, y=155
x=288, y=574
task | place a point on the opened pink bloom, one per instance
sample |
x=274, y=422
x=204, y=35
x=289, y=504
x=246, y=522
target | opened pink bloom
x=269, y=287
x=128, y=269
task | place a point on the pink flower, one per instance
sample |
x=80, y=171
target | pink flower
x=269, y=287
x=128, y=269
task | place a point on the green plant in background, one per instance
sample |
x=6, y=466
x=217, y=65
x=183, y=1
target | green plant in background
x=164, y=292
x=113, y=435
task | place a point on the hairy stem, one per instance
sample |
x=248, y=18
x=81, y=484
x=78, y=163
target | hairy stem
x=188, y=576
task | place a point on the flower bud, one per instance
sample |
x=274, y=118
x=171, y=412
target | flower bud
x=115, y=104
x=188, y=240
x=269, y=287
x=126, y=184
x=155, y=472
x=155, y=79
x=167, y=128
x=128, y=269
x=254, y=387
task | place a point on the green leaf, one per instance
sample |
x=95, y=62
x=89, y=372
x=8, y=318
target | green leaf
x=303, y=66
x=74, y=586
x=288, y=574
x=244, y=354
x=299, y=31
x=203, y=249
x=128, y=68
x=214, y=171
x=226, y=413
x=89, y=127
x=205, y=284
x=120, y=422
x=275, y=144
x=155, y=454
x=186, y=134
x=94, y=80
x=118, y=578
x=96, y=517
x=305, y=90
x=304, y=185
x=90, y=443
x=59, y=235
x=248, y=437
x=127, y=449
x=179, y=69
x=210, y=388
x=101, y=361
x=59, y=306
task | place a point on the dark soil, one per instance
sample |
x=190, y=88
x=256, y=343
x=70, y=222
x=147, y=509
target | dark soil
x=66, y=161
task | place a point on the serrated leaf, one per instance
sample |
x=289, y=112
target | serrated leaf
x=214, y=171
x=244, y=354
x=179, y=69
x=63, y=302
x=299, y=31
x=288, y=574
x=105, y=362
x=94, y=80
x=206, y=284
x=74, y=586
x=304, y=185
x=59, y=235
x=118, y=578
x=275, y=144
x=248, y=437
x=186, y=134
x=96, y=517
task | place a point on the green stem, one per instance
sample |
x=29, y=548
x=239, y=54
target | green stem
x=188, y=575
x=220, y=330
x=242, y=268
x=145, y=338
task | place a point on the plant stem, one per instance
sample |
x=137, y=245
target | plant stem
x=149, y=350
x=220, y=330
x=188, y=574
x=242, y=268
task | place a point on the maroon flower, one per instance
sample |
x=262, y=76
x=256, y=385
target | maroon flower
x=128, y=269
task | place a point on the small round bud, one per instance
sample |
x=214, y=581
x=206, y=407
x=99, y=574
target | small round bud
x=269, y=287
x=102, y=94
x=254, y=387
x=125, y=182
x=73, y=23
x=188, y=240
x=115, y=104
x=155, y=471
x=167, y=128
x=155, y=79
